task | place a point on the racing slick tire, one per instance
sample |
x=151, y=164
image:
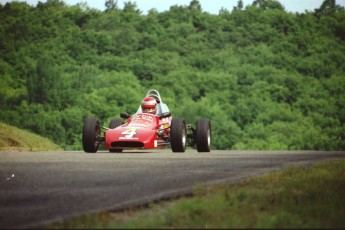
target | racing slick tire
x=91, y=135
x=203, y=135
x=113, y=124
x=178, y=135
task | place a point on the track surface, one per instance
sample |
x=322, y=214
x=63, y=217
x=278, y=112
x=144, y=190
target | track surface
x=42, y=187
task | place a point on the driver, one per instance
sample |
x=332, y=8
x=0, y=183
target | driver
x=149, y=105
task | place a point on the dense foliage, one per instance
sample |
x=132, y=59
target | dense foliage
x=267, y=78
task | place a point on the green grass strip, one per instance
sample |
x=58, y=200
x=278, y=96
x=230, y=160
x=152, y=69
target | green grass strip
x=15, y=139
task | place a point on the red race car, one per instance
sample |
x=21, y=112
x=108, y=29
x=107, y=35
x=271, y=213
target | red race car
x=152, y=126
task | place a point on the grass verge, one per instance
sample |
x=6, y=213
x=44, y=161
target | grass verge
x=297, y=197
x=13, y=138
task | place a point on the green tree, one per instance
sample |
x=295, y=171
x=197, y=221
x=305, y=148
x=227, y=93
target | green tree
x=266, y=78
x=111, y=5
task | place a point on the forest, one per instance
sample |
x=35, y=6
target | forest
x=267, y=79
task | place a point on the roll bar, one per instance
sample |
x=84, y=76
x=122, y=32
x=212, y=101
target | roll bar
x=155, y=94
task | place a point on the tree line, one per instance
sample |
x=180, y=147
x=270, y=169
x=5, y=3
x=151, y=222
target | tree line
x=265, y=77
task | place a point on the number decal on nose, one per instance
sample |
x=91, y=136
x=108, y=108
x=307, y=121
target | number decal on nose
x=130, y=133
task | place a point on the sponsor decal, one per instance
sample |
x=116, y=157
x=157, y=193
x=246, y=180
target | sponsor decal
x=136, y=125
x=128, y=138
x=146, y=117
x=142, y=120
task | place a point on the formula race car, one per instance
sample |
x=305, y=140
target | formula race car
x=144, y=130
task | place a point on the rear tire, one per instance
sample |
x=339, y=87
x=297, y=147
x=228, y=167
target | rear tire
x=203, y=135
x=178, y=135
x=91, y=135
x=113, y=124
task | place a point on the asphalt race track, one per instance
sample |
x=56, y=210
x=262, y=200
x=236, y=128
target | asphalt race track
x=41, y=187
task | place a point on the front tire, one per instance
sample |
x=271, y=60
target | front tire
x=178, y=135
x=203, y=135
x=91, y=135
